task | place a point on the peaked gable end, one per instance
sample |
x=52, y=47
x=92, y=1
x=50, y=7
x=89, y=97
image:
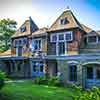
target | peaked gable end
x=66, y=21
x=26, y=28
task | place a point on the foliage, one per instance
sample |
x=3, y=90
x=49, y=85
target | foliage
x=2, y=78
x=41, y=81
x=93, y=94
x=7, y=29
x=54, y=81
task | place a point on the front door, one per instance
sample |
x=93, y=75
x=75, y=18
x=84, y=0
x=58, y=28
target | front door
x=38, y=69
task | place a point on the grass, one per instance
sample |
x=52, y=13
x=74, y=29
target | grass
x=29, y=91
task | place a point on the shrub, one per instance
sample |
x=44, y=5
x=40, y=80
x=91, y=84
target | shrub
x=2, y=78
x=54, y=81
x=41, y=81
x=94, y=94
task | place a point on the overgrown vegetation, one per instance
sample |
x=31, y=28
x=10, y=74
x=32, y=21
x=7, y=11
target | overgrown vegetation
x=7, y=29
x=2, y=78
x=54, y=81
x=93, y=94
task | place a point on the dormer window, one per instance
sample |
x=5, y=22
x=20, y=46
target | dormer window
x=64, y=21
x=23, y=29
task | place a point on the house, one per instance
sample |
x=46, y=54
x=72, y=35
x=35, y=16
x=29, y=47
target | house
x=68, y=47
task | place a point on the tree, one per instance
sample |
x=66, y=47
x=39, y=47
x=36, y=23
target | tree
x=7, y=29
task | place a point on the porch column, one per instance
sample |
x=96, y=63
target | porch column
x=31, y=67
x=84, y=77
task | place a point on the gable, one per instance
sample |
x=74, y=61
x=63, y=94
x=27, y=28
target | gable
x=70, y=22
x=26, y=28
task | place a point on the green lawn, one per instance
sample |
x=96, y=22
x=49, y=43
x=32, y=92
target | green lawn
x=29, y=91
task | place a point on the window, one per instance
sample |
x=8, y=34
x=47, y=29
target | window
x=64, y=21
x=73, y=73
x=19, y=68
x=92, y=39
x=16, y=42
x=41, y=67
x=34, y=67
x=23, y=29
x=19, y=51
x=61, y=48
x=89, y=72
x=60, y=40
x=37, y=44
x=24, y=41
x=98, y=73
x=68, y=36
x=53, y=38
x=61, y=37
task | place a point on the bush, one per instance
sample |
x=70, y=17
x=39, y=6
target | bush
x=41, y=81
x=54, y=81
x=93, y=94
x=2, y=78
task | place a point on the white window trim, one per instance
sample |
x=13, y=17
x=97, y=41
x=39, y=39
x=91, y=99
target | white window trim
x=17, y=51
x=65, y=41
x=51, y=37
x=97, y=40
x=40, y=44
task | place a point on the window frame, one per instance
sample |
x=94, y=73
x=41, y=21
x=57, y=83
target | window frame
x=39, y=39
x=96, y=42
x=74, y=79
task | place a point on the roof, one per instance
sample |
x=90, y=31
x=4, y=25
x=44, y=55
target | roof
x=72, y=22
x=40, y=32
x=30, y=27
x=98, y=32
x=86, y=29
x=6, y=53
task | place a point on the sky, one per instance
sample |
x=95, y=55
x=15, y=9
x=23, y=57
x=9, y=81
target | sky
x=45, y=12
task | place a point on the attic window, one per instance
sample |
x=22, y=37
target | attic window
x=64, y=21
x=23, y=29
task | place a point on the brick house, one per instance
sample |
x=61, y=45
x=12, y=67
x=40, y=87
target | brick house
x=68, y=47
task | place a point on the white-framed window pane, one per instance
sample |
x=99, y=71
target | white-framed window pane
x=61, y=36
x=92, y=39
x=61, y=48
x=37, y=44
x=53, y=38
x=68, y=36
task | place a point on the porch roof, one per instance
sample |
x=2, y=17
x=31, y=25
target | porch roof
x=75, y=57
x=13, y=58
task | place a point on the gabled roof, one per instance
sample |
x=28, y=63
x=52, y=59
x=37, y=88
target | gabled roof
x=30, y=27
x=72, y=22
x=40, y=32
